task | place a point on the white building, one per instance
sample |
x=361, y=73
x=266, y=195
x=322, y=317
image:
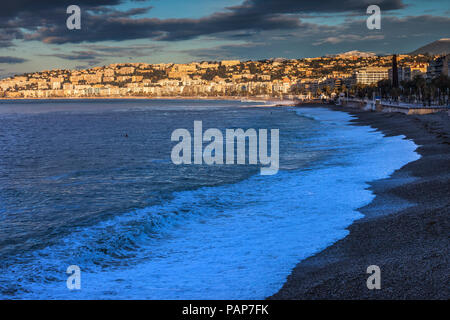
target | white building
x=371, y=75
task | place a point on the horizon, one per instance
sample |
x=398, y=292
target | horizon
x=34, y=35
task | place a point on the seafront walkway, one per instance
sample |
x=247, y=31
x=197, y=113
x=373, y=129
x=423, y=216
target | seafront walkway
x=396, y=106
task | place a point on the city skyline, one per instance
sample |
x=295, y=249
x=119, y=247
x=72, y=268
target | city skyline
x=228, y=78
x=34, y=35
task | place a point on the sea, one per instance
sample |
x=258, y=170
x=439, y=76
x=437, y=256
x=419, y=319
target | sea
x=90, y=183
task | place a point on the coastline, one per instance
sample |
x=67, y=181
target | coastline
x=230, y=98
x=129, y=98
x=267, y=102
x=404, y=230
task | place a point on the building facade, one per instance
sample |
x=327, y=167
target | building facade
x=369, y=76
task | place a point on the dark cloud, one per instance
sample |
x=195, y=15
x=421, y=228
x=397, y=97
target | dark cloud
x=45, y=20
x=111, y=27
x=397, y=35
x=7, y=35
x=125, y=51
x=16, y=8
x=75, y=55
x=11, y=60
x=308, y=6
x=95, y=54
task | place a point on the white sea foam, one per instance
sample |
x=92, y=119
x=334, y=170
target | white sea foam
x=236, y=241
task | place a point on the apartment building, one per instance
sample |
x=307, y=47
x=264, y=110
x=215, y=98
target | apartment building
x=438, y=66
x=371, y=75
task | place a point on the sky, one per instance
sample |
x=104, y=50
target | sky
x=34, y=35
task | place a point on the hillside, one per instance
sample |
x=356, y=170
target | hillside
x=441, y=46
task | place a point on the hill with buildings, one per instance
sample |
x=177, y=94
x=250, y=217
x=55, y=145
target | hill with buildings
x=263, y=78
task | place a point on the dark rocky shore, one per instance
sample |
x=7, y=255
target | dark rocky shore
x=405, y=230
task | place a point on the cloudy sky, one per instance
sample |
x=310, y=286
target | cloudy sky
x=34, y=36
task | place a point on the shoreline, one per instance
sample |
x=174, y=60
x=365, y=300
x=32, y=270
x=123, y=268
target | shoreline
x=127, y=98
x=404, y=230
x=267, y=102
x=230, y=98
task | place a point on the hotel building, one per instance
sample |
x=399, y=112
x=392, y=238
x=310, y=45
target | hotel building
x=372, y=75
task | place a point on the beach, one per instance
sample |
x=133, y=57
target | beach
x=405, y=228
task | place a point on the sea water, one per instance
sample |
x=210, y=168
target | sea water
x=91, y=183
